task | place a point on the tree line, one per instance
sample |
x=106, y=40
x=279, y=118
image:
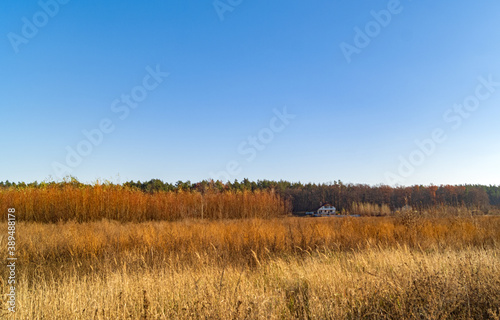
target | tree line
x=309, y=196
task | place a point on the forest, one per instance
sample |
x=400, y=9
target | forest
x=304, y=197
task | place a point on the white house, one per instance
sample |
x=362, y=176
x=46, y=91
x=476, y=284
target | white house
x=326, y=209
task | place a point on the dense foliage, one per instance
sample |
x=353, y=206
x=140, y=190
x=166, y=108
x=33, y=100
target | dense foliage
x=305, y=197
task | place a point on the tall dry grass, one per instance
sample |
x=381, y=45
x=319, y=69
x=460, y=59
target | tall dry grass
x=369, y=209
x=396, y=283
x=90, y=203
x=288, y=268
x=240, y=242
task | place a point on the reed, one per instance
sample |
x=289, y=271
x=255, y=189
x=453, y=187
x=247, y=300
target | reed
x=245, y=242
x=397, y=283
x=112, y=252
x=83, y=203
x=369, y=209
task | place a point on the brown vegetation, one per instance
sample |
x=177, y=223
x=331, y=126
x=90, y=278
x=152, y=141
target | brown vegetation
x=90, y=203
x=239, y=242
x=369, y=284
x=369, y=209
x=119, y=252
x=303, y=268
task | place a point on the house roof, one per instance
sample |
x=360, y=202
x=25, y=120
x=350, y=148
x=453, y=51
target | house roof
x=323, y=205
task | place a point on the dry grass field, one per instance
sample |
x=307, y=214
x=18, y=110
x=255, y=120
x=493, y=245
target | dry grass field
x=404, y=267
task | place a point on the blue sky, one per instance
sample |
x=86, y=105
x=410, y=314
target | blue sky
x=232, y=67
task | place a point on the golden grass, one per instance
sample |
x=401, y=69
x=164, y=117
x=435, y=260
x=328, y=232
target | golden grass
x=289, y=268
x=65, y=202
x=374, y=283
x=369, y=209
x=234, y=240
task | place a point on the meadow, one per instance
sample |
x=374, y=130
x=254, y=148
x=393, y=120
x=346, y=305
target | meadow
x=282, y=268
x=244, y=261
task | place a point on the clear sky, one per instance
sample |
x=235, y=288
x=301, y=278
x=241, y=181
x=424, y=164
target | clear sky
x=311, y=91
